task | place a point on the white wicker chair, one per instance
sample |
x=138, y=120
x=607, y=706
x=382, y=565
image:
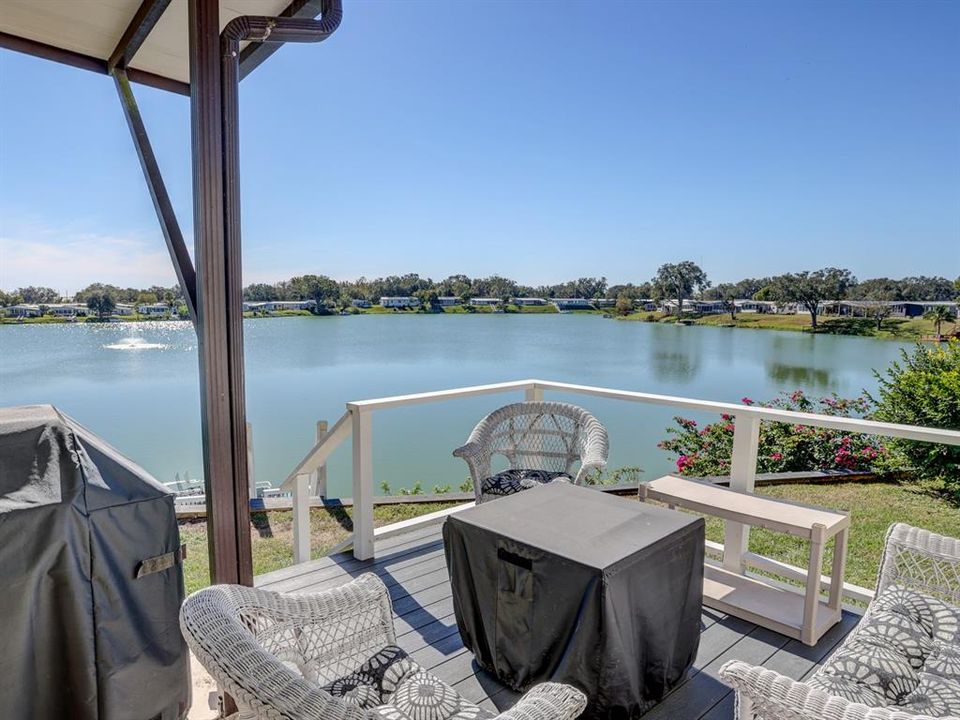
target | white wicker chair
x=272, y=653
x=913, y=559
x=548, y=436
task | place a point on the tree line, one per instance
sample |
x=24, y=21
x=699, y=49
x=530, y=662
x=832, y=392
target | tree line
x=678, y=282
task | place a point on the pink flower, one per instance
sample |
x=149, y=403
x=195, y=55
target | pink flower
x=746, y=401
x=776, y=456
x=728, y=427
x=796, y=395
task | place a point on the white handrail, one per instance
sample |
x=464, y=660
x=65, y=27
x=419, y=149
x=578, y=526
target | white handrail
x=317, y=456
x=356, y=423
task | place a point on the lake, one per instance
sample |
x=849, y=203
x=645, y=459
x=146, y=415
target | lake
x=136, y=383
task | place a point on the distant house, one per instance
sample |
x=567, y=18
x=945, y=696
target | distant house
x=605, y=302
x=360, y=303
x=68, y=310
x=572, y=304
x=646, y=304
x=917, y=308
x=123, y=309
x=755, y=306
x=153, y=309
x=529, y=301
x=277, y=305
x=23, y=310
x=479, y=302
x=400, y=301
x=448, y=301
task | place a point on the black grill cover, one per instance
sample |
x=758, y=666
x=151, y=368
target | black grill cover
x=82, y=635
x=569, y=584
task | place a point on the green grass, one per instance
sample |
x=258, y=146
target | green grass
x=873, y=508
x=272, y=537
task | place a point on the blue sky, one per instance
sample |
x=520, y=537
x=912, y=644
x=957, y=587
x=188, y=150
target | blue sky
x=542, y=141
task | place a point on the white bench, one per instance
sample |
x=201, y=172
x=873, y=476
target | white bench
x=804, y=617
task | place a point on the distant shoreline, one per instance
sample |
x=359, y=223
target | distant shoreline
x=900, y=329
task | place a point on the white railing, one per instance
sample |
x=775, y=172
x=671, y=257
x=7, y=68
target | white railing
x=356, y=423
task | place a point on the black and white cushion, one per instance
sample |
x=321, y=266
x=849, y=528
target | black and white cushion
x=374, y=682
x=906, y=655
x=421, y=696
x=510, y=482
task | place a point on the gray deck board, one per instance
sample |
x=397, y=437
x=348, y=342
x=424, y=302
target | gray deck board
x=413, y=568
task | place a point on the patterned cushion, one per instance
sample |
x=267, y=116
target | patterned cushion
x=374, y=682
x=935, y=695
x=905, y=654
x=944, y=661
x=423, y=697
x=882, y=670
x=939, y=620
x=510, y=482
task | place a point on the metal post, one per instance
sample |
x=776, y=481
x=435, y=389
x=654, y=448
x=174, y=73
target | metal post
x=743, y=475
x=250, y=468
x=220, y=351
x=362, y=484
x=320, y=475
x=533, y=394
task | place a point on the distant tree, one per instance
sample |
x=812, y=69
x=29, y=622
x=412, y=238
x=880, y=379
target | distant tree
x=940, y=314
x=147, y=298
x=260, y=292
x=809, y=289
x=727, y=294
x=678, y=281
x=634, y=292
x=624, y=304
x=9, y=299
x=37, y=295
x=102, y=304
x=880, y=293
x=926, y=288
x=956, y=287
x=429, y=300
x=322, y=290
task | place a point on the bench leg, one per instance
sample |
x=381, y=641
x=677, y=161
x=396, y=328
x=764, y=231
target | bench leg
x=812, y=599
x=836, y=575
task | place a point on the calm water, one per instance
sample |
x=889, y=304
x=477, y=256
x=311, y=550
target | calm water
x=136, y=383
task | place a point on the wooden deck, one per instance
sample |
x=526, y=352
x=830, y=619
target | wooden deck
x=414, y=569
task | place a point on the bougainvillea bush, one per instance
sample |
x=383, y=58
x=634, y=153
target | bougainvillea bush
x=784, y=447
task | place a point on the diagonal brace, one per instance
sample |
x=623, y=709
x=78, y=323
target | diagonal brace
x=182, y=263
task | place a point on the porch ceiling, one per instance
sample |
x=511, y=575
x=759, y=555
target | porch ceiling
x=93, y=28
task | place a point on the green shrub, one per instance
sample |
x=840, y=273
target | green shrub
x=924, y=389
x=784, y=447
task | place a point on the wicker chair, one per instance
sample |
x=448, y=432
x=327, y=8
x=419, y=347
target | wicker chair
x=918, y=567
x=297, y=657
x=542, y=436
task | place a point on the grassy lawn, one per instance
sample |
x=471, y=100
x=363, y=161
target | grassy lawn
x=892, y=328
x=272, y=537
x=873, y=508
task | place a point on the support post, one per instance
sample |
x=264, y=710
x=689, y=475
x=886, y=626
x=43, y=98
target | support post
x=182, y=265
x=362, y=484
x=743, y=476
x=320, y=474
x=811, y=600
x=533, y=394
x=250, y=468
x=223, y=419
x=301, y=519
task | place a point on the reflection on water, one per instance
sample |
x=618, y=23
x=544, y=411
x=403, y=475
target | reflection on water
x=135, y=343
x=798, y=376
x=136, y=384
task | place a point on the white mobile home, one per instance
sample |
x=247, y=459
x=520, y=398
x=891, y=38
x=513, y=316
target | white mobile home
x=400, y=301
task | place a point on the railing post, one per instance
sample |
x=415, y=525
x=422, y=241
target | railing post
x=362, y=484
x=743, y=475
x=320, y=475
x=301, y=519
x=533, y=394
x=253, y=477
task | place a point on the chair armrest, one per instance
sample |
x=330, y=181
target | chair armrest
x=470, y=450
x=547, y=701
x=773, y=696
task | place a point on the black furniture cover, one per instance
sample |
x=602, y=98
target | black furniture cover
x=568, y=584
x=90, y=578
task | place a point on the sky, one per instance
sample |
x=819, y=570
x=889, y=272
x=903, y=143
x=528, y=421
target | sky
x=541, y=141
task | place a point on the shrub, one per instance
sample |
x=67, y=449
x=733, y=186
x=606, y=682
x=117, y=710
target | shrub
x=784, y=447
x=924, y=389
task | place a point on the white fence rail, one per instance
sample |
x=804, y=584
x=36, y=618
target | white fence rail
x=357, y=424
